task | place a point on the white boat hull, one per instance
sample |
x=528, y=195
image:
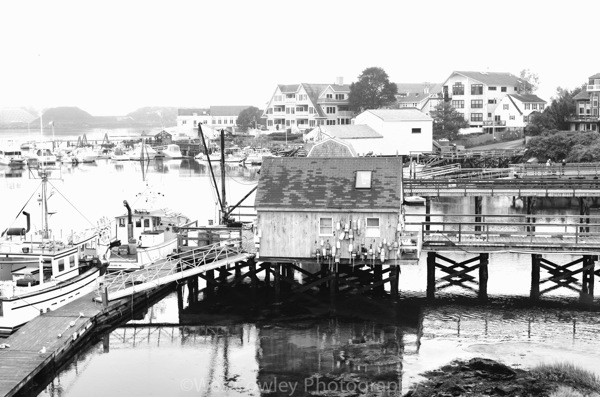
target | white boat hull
x=18, y=310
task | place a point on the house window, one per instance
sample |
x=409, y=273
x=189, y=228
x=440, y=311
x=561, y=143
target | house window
x=476, y=89
x=458, y=89
x=503, y=89
x=330, y=110
x=527, y=106
x=325, y=226
x=491, y=101
x=416, y=130
x=329, y=96
x=340, y=96
x=372, y=228
x=477, y=103
x=290, y=96
x=330, y=122
x=363, y=179
x=511, y=117
x=542, y=106
x=489, y=115
x=476, y=116
x=534, y=106
x=458, y=104
x=505, y=106
x=311, y=123
x=491, y=88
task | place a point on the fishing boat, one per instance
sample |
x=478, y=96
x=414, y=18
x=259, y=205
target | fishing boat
x=255, y=156
x=11, y=157
x=84, y=155
x=40, y=270
x=142, y=151
x=144, y=234
x=171, y=151
x=119, y=154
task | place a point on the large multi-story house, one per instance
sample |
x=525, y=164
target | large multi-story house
x=298, y=107
x=587, y=112
x=215, y=117
x=477, y=96
x=421, y=96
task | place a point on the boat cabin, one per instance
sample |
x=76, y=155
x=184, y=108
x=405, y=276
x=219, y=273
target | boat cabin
x=149, y=227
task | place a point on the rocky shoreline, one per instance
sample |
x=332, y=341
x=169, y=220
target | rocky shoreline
x=485, y=377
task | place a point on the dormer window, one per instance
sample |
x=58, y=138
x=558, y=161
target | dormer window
x=363, y=179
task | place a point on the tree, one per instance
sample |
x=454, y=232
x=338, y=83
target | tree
x=373, y=90
x=538, y=123
x=562, y=107
x=531, y=81
x=447, y=121
x=250, y=118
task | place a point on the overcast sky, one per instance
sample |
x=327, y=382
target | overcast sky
x=111, y=57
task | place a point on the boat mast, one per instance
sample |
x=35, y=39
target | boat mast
x=44, y=175
x=224, y=213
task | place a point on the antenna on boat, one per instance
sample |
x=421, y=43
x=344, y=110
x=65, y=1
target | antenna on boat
x=212, y=173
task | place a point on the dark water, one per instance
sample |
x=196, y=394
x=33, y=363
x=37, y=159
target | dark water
x=370, y=345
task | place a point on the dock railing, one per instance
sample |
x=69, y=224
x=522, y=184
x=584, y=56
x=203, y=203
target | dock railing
x=171, y=268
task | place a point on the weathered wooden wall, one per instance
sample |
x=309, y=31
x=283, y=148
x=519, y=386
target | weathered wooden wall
x=293, y=234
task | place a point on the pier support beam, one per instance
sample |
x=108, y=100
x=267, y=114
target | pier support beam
x=394, y=278
x=563, y=276
x=457, y=274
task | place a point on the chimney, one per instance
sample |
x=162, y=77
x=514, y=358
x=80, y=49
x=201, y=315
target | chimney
x=339, y=81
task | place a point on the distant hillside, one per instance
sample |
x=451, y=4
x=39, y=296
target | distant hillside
x=74, y=117
x=155, y=116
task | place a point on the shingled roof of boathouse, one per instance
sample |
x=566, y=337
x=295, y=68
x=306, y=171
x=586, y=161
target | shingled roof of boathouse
x=293, y=183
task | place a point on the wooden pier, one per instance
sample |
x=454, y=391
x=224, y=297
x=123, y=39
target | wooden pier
x=48, y=341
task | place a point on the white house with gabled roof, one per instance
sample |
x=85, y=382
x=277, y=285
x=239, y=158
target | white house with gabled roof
x=515, y=109
x=304, y=106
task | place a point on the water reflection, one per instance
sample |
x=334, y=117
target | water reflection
x=158, y=356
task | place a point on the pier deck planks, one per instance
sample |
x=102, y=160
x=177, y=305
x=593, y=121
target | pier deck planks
x=23, y=360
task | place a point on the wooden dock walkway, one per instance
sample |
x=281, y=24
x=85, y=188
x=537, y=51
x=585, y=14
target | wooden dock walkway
x=39, y=343
x=43, y=344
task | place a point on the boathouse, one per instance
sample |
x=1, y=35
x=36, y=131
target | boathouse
x=328, y=207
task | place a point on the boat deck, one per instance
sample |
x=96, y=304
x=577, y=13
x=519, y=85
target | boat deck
x=24, y=358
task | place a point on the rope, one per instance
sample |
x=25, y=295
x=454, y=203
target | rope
x=67, y=200
x=27, y=202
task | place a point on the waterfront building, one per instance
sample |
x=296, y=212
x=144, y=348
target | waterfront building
x=587, y=114
x=514, y=110
x=477, y=96
x=215, y=117
x=379, y=132
x=421, y=96
x=298, y=107
x=335, y=205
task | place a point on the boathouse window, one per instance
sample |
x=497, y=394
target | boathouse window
x=372, y=229
x=363, y=179
x=325, y=226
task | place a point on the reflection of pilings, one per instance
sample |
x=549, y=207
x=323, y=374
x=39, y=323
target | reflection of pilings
x=530, y=204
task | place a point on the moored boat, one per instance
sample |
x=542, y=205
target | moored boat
x=144, y=235
x=171, y=151
x=40, y=271
x=11, y=157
